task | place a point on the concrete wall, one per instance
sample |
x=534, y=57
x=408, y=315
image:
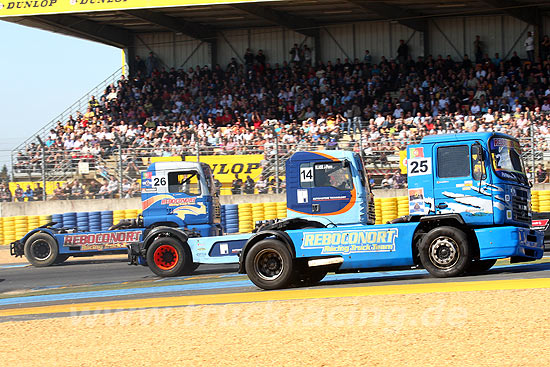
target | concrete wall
x=64, y=206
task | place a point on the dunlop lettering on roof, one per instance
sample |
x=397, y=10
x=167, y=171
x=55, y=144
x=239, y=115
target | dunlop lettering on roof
x=11, y=8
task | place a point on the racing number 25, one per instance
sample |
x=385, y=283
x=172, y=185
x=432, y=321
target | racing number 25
x=419, y=166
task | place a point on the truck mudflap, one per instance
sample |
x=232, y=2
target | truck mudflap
x=521, y=244
x=17, y=249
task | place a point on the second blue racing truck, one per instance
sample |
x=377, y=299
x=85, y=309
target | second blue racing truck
x=469, y=205
x=179, y=202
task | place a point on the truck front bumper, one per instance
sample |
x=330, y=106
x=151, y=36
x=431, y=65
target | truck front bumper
x=521, y=244
x=17, y=248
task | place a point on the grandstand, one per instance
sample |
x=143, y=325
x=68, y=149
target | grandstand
x=264, y=79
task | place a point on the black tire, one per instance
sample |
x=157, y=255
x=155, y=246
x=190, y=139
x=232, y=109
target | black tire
x=311, y=277
x=61, y=258
x=445, y=252
x=269, y=265
x=168, y=257
x=480, y=266
x=194, y=266
x=41, y=250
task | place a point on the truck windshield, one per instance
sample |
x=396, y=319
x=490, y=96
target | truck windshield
x=506, y=158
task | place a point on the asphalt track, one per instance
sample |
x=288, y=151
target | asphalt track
x=79, y=286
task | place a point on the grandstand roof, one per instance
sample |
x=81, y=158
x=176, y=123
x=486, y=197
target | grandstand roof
x=117, y=27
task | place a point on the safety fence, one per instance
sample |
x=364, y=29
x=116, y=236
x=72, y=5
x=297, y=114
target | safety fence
x=73, y=174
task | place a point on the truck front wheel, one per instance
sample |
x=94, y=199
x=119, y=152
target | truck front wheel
x=168, y=257
x=444, y=252
x=269, y=265
x=41, y=249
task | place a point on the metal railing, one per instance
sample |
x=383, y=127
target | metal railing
x=79, y=106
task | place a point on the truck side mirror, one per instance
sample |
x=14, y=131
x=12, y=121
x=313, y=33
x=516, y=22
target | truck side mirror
x=478, y=166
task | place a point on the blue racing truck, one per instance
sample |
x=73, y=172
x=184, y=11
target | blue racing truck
x=179, y=201
x=469, y=205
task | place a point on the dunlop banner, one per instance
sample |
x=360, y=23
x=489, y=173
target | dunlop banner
x=225, y=167
x=10, y=8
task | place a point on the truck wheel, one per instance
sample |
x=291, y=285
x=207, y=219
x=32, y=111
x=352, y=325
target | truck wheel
x=269, y=265
x=41, y=249
x=480, y=266
x=168, y=257
x=444, y=252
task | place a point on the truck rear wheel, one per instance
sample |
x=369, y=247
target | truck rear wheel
x=168, y=257
x=269, y=264
x=444, y=252
x=41, y=250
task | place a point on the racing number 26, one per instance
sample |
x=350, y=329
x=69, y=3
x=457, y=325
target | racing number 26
x=159, y=181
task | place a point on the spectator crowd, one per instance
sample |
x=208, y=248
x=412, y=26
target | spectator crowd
x=379, y=107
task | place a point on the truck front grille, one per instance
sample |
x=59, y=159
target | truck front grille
x=520, y=207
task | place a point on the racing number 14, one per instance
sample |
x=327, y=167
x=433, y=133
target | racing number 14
x=306, y=174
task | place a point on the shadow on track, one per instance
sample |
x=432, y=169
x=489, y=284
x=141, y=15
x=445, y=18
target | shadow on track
x=363, y=279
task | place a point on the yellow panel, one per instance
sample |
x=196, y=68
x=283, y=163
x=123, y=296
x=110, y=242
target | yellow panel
x=12, y=8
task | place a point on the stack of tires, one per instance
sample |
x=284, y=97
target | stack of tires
x=83, y=221
x=281, y=209
x=535, y=201
x=245, y=218
x=44, y=219
x=21, y=226
x=58, y=219
x=69, y=220
x=258, y=213
x=118, y=215
x=94, y=221
x=9, y=230
x=131, y=213
x=231, y=212
x=402, y=206
x=223, y=223
x=106, y=219
x=378, y=210
x=544, y=201
x=389, y=209
x=33, y=221
x=270, y=211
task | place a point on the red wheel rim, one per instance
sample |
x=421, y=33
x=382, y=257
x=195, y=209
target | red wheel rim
x=166, y=257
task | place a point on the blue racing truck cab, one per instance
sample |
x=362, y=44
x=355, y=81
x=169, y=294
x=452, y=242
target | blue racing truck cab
x=179, y=201
x=469, y=205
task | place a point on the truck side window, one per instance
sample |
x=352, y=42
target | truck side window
x=333, y=174
x=478, y=165
x=186, y=182
x=453, y=161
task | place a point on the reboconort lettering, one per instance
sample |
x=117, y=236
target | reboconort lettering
x=320, y=239
x=101, y=238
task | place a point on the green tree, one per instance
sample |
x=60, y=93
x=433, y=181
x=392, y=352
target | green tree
x=4, y=174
